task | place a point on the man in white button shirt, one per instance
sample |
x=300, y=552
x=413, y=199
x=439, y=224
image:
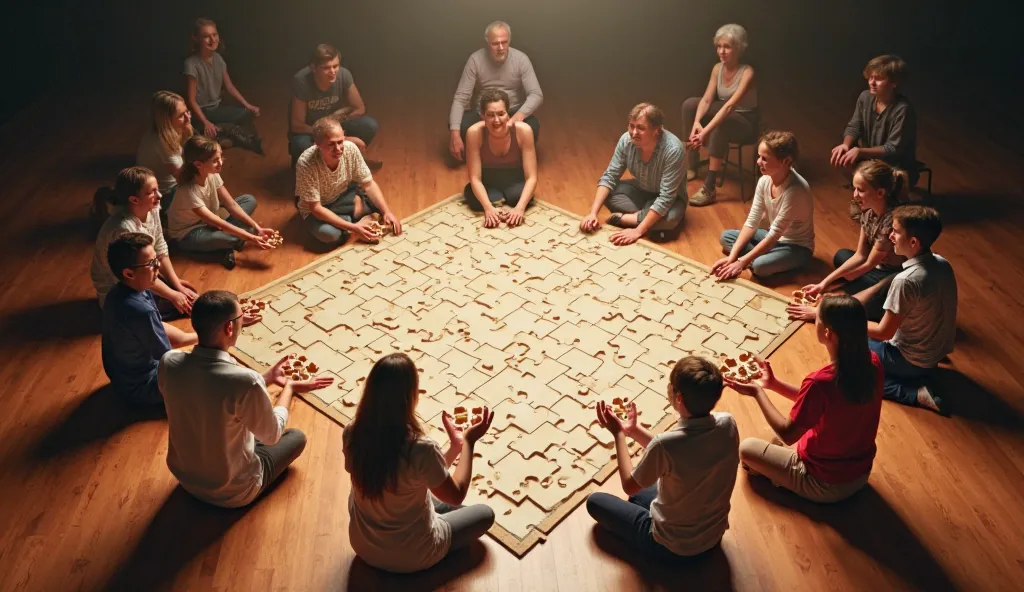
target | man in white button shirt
x=226, y=443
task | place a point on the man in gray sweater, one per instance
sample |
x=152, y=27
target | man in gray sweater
x=495, y=66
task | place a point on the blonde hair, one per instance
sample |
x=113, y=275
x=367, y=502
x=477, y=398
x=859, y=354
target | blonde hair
x=881, y=175
x=197, y=148
x=162, y=107
x=655, y=116
x=197, y=28
x=781, y=144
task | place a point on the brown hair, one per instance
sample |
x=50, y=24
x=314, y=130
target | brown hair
x=197, y=148
x=920, y=222
x=211, y=310
x=655, y=116
x=844, y=315
x=890, y=66
x=493, y=95
x=162, y=106
x=323, y=53
x=881, y=175
x=698, y=382
x=129, y=182
x=781, y=144
x=385, y=425
x=197, y=29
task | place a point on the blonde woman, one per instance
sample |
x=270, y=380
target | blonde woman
x=160, y=149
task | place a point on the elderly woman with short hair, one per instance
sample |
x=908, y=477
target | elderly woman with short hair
x=726, y=113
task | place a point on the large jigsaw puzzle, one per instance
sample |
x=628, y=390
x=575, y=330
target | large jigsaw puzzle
x=538, y=322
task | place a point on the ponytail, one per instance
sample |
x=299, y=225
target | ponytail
x=844, y=315
x=881, y=175
x=198, y=148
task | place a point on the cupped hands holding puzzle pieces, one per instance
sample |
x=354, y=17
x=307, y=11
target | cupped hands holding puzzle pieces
x=743, y=369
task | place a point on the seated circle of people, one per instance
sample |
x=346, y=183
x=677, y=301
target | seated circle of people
x=835, y=413
x=324, y=88
x=495, y=66
x=161, y=147
x=649, y=203
x=226, y=442
x=919, y=325
x=134, y=337
x=679, y=492
x=783, y=199
x=137, y=201
x=206, y=77
x=404, y=505
x=204, y=217
x=883, y=125
x=335, y=192
x=877, y=189
x=727, y=112
x=501, y=160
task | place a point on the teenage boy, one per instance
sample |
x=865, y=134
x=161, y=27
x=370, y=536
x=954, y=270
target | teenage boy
x=680, y=492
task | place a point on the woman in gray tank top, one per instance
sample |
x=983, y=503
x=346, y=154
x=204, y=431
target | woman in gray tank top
x=501, y=161
x=726, y=113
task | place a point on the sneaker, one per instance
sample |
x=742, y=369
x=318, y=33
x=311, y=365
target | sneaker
x=228, y=260
x=926, y=399
x=703, y=197
x=691, y=174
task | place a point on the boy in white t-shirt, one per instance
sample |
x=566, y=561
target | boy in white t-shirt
x=680, y=491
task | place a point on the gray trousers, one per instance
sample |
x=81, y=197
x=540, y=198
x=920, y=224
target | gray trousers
x=737, y=127
x=276, y=457
x=468, y=523
x=628, y=198
x=207, y=238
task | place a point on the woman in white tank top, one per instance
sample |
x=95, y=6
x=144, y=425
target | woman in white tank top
x=726, y=113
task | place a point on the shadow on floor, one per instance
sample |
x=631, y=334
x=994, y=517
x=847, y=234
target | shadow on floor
x=969, y=208
x=969, y=400
x=100, y=415
x=66, y=319
x=181, y=530
x=362, y=576
x=708, y=571
x=867, y=522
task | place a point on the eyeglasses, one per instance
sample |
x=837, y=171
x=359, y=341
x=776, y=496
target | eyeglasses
x=152, y=264
x=233, y=319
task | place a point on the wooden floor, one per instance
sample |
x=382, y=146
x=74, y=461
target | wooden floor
x=87, y=502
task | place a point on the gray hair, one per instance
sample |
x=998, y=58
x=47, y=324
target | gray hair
x=736, y=35
x=324, y=126
x=497, y=25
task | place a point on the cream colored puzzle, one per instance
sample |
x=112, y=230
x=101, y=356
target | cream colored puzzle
x=540, y=322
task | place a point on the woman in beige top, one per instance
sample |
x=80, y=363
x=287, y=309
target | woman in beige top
x=726, y=113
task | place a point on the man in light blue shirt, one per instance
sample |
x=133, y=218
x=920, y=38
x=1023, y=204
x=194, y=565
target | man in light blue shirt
x=649, y=203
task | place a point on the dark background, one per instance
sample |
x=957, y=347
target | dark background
x=963, y=54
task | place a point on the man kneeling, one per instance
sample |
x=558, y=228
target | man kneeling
x=226, y=443
x=334, y=190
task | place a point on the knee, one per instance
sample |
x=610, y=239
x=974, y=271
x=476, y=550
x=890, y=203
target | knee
x=751, y=449
x=728, y=238
x=690, y=106
x=841, y=256
x=595, y=504
x=762, y=269
x=329, y=235
x=486, y=516
x=246, y=202
x=298, y=438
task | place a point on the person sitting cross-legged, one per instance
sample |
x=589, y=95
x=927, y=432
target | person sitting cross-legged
x=226, y=442
x=680, y=491
x=134, y=337
x=334, y=190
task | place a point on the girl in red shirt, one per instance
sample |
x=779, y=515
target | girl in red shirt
x=835, y=415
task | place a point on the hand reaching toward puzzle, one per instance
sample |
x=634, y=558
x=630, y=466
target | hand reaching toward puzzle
x=394, y=223
x=277, y=375
x=723, y=269
x=478, y=429
x=364, y=230
x=313, y=384
x=611, y=422
x=514, y=217
x=590, y=223
x=813, y=289
x=492, y=217
x=249, y=319
x=626, y=237
x=802, y=312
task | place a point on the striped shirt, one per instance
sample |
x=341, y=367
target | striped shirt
x=662, y=174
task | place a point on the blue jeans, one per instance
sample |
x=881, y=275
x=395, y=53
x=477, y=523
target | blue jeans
x=902, y=379
x=501, y=184
x=225, y=114
x=365, y=128
x=782, y=257
x=629, y=198
x=873, y=306
x=630, y=521
x=207, y=238
x=344, y=208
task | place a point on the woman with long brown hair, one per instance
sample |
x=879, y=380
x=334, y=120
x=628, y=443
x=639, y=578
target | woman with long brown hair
x=400, y=517
x=834, y=417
